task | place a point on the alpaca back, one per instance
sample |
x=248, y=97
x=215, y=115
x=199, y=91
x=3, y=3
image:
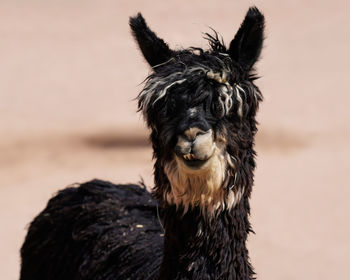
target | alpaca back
x=95, y=231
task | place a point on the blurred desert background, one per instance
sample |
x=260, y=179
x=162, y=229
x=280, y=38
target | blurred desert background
x=69, y=71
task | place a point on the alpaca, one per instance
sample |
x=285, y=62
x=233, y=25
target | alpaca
x=200, y=106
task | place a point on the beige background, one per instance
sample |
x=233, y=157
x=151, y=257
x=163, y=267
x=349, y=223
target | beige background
x=69, y=71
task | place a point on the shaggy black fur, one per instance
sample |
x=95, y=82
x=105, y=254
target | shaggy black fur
x=153, y=48
x=96, y=231
x=105, y=231
x=198, y=248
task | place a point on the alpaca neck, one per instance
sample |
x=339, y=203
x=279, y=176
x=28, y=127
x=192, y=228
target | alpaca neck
x=196, y=247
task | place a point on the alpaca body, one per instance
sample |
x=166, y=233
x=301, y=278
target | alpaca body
x=105, y=232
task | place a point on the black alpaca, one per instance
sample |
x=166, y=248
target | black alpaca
x=201, y=107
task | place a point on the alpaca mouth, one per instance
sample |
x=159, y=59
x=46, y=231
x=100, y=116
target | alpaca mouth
x=193, y=162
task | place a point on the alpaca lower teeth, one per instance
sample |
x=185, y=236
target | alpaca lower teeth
x=189, y=157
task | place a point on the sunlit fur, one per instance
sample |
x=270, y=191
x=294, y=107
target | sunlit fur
x=201, y=187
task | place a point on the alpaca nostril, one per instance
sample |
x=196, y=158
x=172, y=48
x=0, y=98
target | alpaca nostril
x=181, y=150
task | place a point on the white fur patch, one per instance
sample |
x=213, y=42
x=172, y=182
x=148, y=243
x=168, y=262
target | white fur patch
x=192, y=112
x=239, y=90
x=204, y=187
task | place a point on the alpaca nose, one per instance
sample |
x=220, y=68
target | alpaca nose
x=186, y=141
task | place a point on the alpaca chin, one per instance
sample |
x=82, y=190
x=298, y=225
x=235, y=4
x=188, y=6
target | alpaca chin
x=204, y=187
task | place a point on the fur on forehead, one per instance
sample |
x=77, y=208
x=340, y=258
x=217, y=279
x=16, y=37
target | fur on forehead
x=198, y=70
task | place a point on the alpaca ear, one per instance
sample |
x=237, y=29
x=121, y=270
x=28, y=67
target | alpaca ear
x=154, y=49
x=245, y=48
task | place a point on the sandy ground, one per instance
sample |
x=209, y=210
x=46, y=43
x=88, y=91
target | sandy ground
x=69, y=71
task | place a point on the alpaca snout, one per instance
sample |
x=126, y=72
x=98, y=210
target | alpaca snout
x=195, y=146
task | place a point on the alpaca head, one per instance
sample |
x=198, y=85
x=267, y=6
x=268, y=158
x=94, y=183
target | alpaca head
x=201, y=106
